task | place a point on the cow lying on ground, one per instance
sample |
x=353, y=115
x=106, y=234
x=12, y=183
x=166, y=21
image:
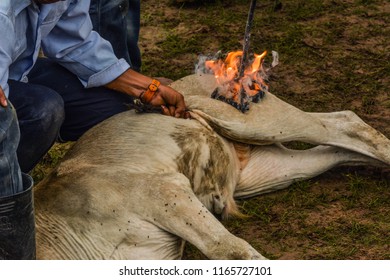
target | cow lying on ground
x=137, y=186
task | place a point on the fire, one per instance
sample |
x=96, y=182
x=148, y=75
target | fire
x=238, y=85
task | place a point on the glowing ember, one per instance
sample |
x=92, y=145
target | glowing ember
x=234, y=89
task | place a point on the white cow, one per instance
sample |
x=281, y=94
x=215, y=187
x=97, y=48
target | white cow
x=137, y=186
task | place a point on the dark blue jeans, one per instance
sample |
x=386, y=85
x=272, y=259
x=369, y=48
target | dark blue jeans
x=118, y=21
x=133, y=28
x=40, y=112
x=10, y=176
x=53, y=105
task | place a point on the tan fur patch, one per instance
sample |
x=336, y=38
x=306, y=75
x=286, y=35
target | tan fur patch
x=205, y=161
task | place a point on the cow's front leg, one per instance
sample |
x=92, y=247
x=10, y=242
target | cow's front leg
x=173, y=207
x=271, y=168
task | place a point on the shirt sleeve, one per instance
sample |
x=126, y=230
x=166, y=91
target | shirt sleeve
x=7, y=44
x=74, y=45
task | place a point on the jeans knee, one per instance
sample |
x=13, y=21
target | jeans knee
x=51, y=113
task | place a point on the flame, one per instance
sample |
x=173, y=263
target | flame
x=227, y=74
x=257, y=63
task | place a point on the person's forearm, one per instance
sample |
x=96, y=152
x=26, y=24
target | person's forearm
x=131, y=83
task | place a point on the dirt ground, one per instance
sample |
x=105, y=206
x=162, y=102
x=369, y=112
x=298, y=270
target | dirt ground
x=334, y=55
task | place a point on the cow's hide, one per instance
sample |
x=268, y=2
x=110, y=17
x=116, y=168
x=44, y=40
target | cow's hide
x=137, y=186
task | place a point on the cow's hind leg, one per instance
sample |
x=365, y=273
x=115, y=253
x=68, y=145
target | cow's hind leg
x=349, y=131
x=275, y=121
x=275, y=167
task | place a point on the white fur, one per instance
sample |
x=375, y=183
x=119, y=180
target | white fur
x=138, y=185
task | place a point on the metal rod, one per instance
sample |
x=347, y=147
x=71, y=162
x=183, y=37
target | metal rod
x=244, y=56
x=247, y=38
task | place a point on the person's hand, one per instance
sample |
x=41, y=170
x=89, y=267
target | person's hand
x=135, y=84
x=3, y=100
x=171, y=102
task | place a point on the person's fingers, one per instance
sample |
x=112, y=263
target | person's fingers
x=178, y=113
x=172, y=110
x=3, y=100
x=185, y=114
x=165, y=110
x=180, y=106
x=172, y=102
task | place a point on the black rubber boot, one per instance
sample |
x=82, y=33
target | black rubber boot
x=17, y=224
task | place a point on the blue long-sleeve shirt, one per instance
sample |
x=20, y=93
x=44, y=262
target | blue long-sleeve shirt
x=64, y=32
